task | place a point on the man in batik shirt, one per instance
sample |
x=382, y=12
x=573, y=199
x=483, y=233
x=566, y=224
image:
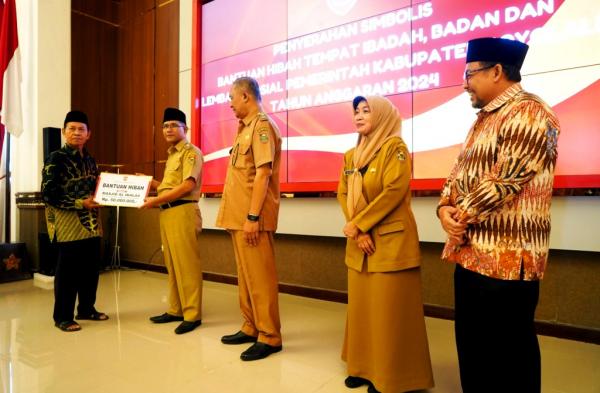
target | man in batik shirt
x=495, y=209
x=68, y=184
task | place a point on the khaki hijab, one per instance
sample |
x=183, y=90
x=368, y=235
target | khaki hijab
x=386, y=123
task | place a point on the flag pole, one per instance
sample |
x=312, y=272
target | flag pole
x=7, y=189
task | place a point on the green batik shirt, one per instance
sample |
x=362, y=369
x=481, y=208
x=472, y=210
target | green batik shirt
x=68, y=178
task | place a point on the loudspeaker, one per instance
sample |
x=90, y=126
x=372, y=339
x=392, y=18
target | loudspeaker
x=51, y=140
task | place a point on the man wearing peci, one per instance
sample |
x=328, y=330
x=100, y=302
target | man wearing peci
x=72, y=216
x=495, y=209
x=180, y=224
x=249, y=210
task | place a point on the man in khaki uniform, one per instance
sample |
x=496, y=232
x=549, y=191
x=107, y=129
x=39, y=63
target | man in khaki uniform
x=249, y=209
x=180, y=224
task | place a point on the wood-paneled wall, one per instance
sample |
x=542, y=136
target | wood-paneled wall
x=94, y=38
x=124, y=72
x=166, y=89
x=135, y=121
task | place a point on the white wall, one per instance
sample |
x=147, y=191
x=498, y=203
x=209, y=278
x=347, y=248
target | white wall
x=45, y=45
x=323, y=217
x=575, y=220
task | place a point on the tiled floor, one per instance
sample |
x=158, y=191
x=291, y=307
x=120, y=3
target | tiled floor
x=130, y=354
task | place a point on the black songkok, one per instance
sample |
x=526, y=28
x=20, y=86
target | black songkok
x=497, y=50
x=174, y=114
x=78, y=117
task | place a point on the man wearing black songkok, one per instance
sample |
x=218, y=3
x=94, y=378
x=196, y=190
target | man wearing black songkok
x=495, y=209
x=180, y=224
x=72, y=216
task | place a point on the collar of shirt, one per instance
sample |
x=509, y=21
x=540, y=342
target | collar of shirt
x=74, y=152
x=246, y=121
x=177, y=147
x=503, y=98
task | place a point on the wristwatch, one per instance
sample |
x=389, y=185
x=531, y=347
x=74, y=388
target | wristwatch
x=252, y=217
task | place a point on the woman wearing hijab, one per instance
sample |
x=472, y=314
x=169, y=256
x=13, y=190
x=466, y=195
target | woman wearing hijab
x=385, y=345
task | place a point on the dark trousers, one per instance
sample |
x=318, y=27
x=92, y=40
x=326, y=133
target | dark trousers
x=496, y=342
x=77, y=272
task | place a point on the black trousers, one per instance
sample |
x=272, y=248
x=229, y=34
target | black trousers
x=498, y=350
x=77, y=272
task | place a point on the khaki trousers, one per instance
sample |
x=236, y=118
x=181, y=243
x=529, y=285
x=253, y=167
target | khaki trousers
x=258, y=287
x=179, y=230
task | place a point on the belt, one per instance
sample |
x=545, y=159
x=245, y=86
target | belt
x=168, y=205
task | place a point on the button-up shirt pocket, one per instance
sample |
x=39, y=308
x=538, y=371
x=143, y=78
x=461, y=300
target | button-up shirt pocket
x=172, y=176
x=240, y=156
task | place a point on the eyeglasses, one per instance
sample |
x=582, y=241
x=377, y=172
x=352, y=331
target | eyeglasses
x=171, y=125
x=470, y=73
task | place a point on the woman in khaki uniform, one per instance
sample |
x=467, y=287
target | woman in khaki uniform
x=385, y=345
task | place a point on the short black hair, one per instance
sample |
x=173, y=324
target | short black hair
x=512, y=73
x=250, y=85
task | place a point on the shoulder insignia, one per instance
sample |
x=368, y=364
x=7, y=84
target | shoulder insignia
x=192, y=157
x=401, y=155
x=263, y=117
x=187, y=146
x=264, y=136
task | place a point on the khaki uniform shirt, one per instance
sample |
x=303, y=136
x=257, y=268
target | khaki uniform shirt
x=184, y=161
x=388, y=217
x=257, y=143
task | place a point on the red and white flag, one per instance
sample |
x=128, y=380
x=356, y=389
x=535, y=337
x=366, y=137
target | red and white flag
x=11, y=114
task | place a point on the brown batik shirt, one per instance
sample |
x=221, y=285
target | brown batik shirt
x=501, y=183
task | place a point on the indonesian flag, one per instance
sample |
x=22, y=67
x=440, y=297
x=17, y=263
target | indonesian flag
x=11, y=115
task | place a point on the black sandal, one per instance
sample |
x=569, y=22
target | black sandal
x=68, y=326
x=95, y=316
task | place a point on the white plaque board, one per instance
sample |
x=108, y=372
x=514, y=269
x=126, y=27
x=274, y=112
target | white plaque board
x=115, y=189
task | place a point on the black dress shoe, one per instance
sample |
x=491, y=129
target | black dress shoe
x=355, y=382
x=187, y=326
x=238, y=338
x=164, y=318
x=259, y=351
x=372, y=389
